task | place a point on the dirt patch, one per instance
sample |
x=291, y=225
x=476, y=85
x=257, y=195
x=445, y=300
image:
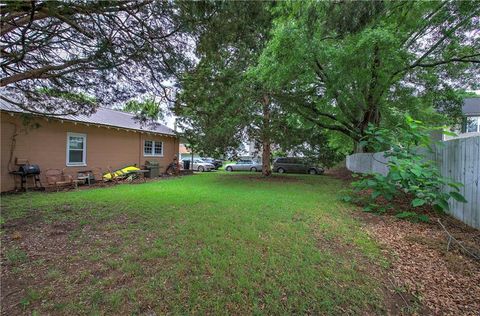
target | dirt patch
x=42, y=257
x=445, y=282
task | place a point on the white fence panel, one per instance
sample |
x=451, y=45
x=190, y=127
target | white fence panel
x=457, y=159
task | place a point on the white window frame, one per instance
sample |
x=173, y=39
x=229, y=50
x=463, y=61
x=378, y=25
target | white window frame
x=84, y=149
x=153, y=154
x=477, y=118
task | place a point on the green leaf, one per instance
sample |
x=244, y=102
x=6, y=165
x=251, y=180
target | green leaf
x=376, y=194
x=418, y=202
x=423, y=218
x=455, y=185
x=457, y=196
x=442, y=204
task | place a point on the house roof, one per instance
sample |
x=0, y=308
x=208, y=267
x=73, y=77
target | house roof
x=471, y=106
x=103, y=116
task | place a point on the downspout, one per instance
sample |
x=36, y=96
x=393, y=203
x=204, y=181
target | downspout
x=13, y=144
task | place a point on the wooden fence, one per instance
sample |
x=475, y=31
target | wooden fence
x=457, y=159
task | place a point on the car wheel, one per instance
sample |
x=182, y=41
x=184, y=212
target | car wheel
x=312, y=171
x=281, y=170
x=229, y=169
x=253, y=169
x=200, y=169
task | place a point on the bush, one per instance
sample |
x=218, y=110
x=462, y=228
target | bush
x=410, y=172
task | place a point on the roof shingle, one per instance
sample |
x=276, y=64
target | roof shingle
x=103, y=116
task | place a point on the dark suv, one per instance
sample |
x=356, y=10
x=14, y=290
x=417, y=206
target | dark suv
x=295, y=165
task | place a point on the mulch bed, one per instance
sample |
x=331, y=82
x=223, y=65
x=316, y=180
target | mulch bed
x=441, y=282
x=101, y=184
x=445, y=282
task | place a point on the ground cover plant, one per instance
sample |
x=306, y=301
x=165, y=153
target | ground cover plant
x=209, y=243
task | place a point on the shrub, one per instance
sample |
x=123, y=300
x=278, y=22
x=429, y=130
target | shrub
x=410, y=172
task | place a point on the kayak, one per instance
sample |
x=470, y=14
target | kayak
x=119, y=173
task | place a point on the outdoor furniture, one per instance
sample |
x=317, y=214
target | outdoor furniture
x=23, y=180
x=85, y=176
x=97, y=173
x=90, y=176
x=58, y=178
x=26, y=171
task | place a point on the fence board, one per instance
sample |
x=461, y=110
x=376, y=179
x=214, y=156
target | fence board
x=457, y=159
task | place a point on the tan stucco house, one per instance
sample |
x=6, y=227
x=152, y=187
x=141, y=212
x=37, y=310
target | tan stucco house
x=107, y=139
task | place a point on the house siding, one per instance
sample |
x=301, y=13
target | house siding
x=46, y=146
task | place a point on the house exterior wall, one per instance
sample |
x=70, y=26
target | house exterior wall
x=46, y=146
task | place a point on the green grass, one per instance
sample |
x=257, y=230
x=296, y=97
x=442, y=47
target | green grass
x=14, y=255
x=213, y=243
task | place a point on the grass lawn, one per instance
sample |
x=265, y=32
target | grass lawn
x=218, y=243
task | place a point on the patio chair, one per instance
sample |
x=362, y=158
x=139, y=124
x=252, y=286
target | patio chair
x=97, y=174
x=57, y=178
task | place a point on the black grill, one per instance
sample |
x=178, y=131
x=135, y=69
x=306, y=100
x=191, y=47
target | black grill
x=29, y=170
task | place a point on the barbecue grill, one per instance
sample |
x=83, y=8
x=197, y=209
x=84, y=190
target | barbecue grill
x=26, y=171
x=29, y=169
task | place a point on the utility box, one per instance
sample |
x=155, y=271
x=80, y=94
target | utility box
x=153, y=169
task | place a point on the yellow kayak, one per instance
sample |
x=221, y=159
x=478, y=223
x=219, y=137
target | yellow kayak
x=120, y=172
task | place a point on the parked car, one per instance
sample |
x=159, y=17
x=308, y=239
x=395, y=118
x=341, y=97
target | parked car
x=200, y=165
x=244, y=165
x=295, y=165
x=216, y=162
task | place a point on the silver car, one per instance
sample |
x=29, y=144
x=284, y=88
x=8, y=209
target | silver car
x=244, y=165
x=200, y=165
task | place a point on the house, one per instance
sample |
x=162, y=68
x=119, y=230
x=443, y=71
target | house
x=471, y=110
x=105, y=140
x=471, y=124
x=186, y=152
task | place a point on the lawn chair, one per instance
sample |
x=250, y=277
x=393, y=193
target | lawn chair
x=58, y=178
x=97, y=174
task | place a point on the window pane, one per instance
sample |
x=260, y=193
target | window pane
x=76, y=156
x=472, y=124
x=158, y=148
x=147, y=148
x=76, y=142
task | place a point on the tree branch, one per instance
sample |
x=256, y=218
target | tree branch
x=39, y=72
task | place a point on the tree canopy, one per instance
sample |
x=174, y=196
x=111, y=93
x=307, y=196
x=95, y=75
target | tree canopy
x=345, y=65
x=109, y=50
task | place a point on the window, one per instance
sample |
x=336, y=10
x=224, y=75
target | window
x=76, y=149
x=152, y=148
x=473, y=124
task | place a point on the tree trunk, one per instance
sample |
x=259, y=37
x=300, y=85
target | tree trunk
x=371, y=117
x=266, y=168
x=266, y=148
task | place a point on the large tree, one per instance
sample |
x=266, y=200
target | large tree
x=109, y=50
x=221, y=105
x=345, y=65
